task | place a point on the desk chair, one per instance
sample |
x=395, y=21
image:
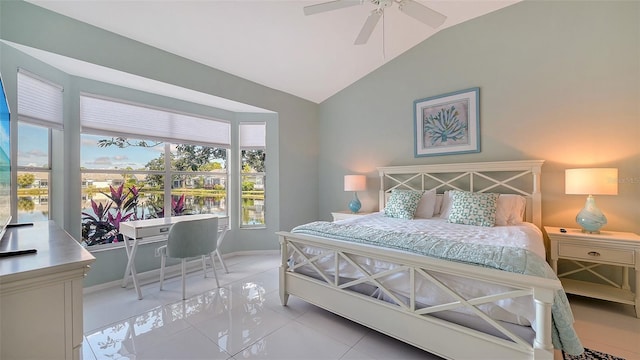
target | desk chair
x=188, y=239
x=223, y=228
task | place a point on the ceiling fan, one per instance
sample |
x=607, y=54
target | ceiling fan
x=409, y=7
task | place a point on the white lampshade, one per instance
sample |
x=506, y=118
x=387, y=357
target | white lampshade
x=591, y=181
x=355, y=183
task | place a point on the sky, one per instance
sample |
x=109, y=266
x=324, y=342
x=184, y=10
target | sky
x=33, y=151
x=33, y=146
x=112, y=157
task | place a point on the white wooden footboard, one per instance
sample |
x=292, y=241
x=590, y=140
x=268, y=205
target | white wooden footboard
x=402, y=318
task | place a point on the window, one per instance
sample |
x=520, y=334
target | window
x=199, y=180
x=33, y=172
x=252, y=156
x=168, y=170
x=40, y=104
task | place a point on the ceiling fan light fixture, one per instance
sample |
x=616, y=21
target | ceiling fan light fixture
x=422, y=13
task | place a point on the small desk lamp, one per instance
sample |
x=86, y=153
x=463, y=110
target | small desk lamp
x=355, y=183
x=594, y=181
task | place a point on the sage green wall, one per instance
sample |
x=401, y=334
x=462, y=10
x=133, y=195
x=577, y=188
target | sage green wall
x=292, y=190
x=559, y=81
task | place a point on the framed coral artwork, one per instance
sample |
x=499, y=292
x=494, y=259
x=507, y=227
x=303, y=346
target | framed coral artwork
x=447, y=124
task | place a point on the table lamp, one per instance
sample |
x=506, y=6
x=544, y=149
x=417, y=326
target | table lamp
x=355, y=183
x=591, y=181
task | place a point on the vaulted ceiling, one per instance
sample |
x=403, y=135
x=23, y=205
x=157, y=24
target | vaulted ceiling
x=272, y=42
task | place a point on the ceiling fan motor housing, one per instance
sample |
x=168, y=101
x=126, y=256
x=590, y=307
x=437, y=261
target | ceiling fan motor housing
x=382, y=3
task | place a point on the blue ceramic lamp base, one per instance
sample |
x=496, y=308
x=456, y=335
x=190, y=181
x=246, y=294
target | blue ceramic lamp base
x=590, y=218
x=355, y=205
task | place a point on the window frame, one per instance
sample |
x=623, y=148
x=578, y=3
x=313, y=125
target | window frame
x=253, y=145
x=51, y=118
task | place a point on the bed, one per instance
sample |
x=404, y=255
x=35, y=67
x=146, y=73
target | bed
x=487, y=287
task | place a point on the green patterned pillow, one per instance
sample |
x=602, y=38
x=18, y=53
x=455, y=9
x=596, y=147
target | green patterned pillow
x=473, y=208
x=402, y=203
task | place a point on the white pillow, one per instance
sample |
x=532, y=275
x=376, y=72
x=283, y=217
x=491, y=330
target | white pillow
x=427, y=205
x=438, y=207
x=446, y=204
x=510, y=209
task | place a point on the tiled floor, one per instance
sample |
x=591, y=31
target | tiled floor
x=244, y=319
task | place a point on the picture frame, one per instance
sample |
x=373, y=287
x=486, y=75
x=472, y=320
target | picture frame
x=447, y=124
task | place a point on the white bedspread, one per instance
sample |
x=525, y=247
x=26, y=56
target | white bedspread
x=525, y=235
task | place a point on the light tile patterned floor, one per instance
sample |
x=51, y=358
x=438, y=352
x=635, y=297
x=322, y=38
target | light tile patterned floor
x=244, y=319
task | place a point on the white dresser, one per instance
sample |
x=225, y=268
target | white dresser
x=41, y=294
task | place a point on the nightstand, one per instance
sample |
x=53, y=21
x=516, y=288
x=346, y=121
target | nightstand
x=587, y=252
x=341, y=215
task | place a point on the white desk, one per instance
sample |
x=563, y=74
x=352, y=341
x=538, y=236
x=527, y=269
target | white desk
x=134, y=231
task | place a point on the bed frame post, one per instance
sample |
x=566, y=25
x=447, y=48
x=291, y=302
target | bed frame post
x=284, y=256
x=543, y=345
x=381, y=193
x=536, y=196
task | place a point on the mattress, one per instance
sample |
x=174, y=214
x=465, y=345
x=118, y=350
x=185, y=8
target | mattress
x=519, y=311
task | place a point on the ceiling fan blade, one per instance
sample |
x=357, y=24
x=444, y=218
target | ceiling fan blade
x=368, y=27
x=329, y=6
x=422, y=13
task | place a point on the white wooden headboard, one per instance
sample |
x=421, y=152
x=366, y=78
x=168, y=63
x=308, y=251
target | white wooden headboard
x=505, y=177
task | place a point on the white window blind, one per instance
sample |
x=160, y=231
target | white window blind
x=39, y=101
x=253, y=135
x=101, y=116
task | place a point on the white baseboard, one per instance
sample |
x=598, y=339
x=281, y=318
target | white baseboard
x=152, y=276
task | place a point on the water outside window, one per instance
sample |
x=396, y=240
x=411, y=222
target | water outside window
x=33, y=173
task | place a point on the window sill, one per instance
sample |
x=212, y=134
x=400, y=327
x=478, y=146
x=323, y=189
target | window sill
x=259, y=227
